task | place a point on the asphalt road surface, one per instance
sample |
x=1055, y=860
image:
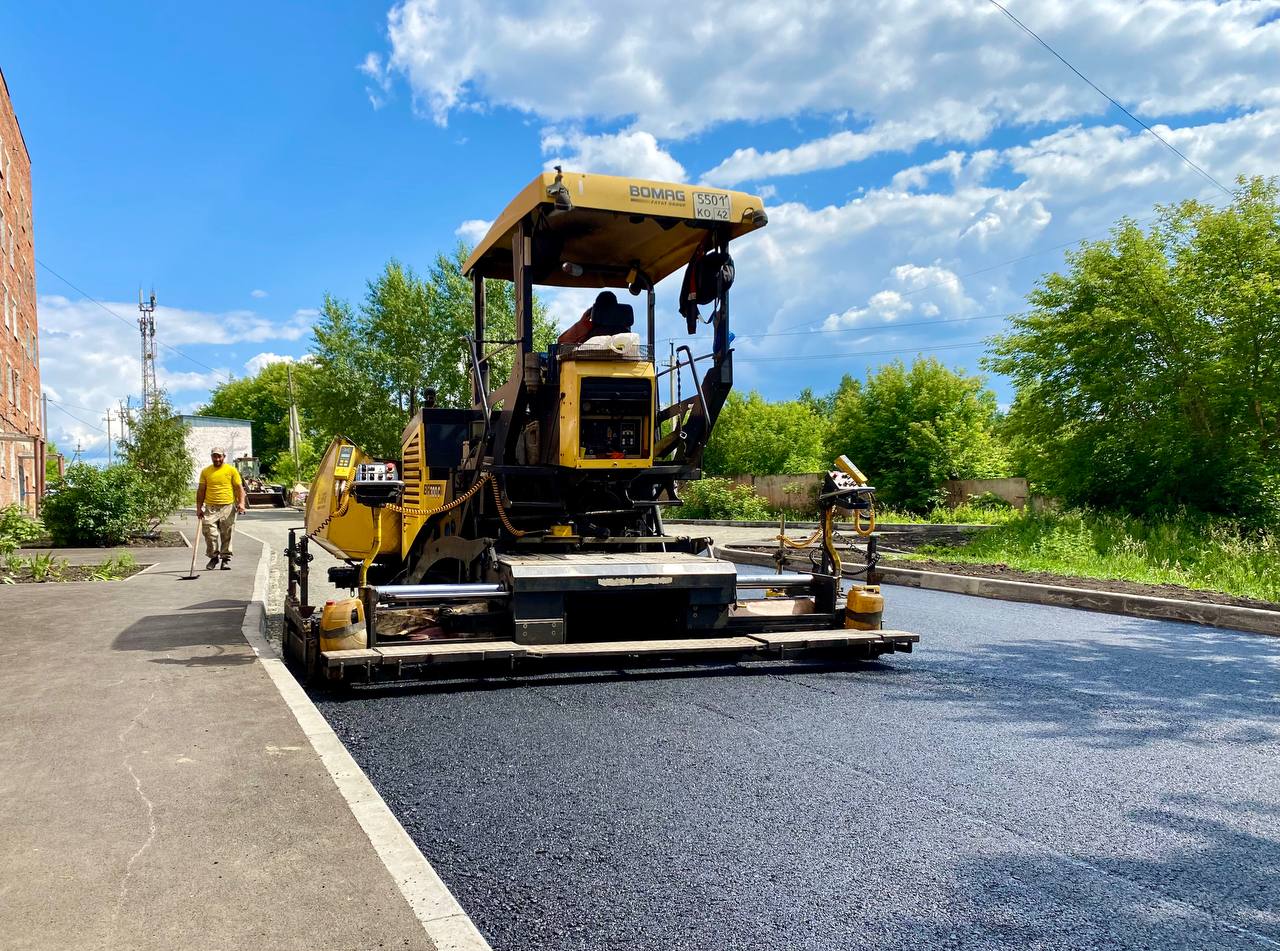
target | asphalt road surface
x=1030, y=778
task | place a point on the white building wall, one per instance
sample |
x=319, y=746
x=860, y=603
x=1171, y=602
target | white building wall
x=235, y=436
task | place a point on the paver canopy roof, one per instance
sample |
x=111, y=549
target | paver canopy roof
x=614, y=224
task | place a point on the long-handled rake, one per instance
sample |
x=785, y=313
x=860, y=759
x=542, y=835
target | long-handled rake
x=195, y=544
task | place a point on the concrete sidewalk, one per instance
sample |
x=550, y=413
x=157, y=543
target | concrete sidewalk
x=155, y=790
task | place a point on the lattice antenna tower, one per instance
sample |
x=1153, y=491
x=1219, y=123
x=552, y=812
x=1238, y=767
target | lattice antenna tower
x=147, y=329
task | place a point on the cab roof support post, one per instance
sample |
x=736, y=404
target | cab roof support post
x=652, y=344
x=522, y=277
x=479, y=387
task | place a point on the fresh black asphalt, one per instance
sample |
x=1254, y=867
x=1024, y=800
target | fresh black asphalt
x=1031, y=777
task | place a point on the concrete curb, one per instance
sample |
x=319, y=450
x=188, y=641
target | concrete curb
x=446, y=924
x=1232, y=617
x=839, y=526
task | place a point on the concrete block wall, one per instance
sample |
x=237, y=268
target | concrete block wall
x=234, y=436
x=786, y=491
x=1013, y=490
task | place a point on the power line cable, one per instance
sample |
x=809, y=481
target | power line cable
x=132, y=324
x=87, y=409
x=1159, y=138
x=860, y=353
x=68, y=412
x=874, y=327
x=868, y=328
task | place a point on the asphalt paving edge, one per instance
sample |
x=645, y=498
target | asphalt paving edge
x=447, y=925
x=1229, y=616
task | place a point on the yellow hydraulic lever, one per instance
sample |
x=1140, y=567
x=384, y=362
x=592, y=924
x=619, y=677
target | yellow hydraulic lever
x=377, y=544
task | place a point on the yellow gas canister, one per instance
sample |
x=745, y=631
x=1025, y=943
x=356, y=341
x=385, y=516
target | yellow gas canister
x=342, y=625
x=864, y=608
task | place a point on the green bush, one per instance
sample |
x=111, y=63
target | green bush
x=721, y=499
x=17, y=528
x=92, y=506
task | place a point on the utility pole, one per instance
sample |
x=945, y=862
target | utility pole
x=147, y=328
x=79, y=449
x=123, y=418
x=108, y=419
x=44, y=443
x=295, y=431
x=671, y=382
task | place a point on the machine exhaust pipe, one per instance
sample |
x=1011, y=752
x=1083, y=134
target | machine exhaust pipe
x=788, y=579
x=404, y=595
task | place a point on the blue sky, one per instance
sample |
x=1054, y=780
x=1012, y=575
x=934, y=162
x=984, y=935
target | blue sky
x=248, y=160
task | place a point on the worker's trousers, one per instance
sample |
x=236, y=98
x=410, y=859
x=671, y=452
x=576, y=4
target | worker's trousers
x=218, y=523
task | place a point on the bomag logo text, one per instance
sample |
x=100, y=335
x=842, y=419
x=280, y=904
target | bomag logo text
x=656, y=193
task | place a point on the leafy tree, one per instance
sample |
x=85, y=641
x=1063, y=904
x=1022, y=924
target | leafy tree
x=1148, y=374
x=289, y=474
x=912, y=429
x=754, y=436
x=371, y=365
x=51, y=453
x=157, y=449
x=92, y=506
x=823, y=405
x=263, y=399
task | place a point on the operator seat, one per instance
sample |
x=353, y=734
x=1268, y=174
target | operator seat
x=605, y=316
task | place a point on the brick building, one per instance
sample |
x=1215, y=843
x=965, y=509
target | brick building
x=22, y=438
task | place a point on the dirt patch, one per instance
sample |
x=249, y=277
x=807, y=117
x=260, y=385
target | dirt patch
x=1003, y=572
x=71, y=573
x=165, y=538
x=161, y=539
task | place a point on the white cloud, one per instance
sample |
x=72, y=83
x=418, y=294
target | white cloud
x=472, y=230
x=380, y=91
x=177, y=326
x=253, y=366
x=942, y=286
x=956, y=124
x=257, y=293
x=960, y=235
x=633, y=153
x=880, y=60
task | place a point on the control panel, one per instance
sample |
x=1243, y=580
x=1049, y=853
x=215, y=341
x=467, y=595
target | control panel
x=377, y=483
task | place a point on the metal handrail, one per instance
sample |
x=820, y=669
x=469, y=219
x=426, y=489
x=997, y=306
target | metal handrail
x=697, y=384
x=475, y=369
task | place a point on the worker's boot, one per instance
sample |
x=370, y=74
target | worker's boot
x=211, y=564
x=226, y=562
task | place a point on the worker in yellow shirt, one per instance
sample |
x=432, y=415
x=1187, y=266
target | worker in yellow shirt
x=219, y=497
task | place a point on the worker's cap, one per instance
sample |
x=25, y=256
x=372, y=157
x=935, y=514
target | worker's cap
x=217, y=451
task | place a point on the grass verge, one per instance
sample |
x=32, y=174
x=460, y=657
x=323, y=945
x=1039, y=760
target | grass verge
x=1192, y=551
